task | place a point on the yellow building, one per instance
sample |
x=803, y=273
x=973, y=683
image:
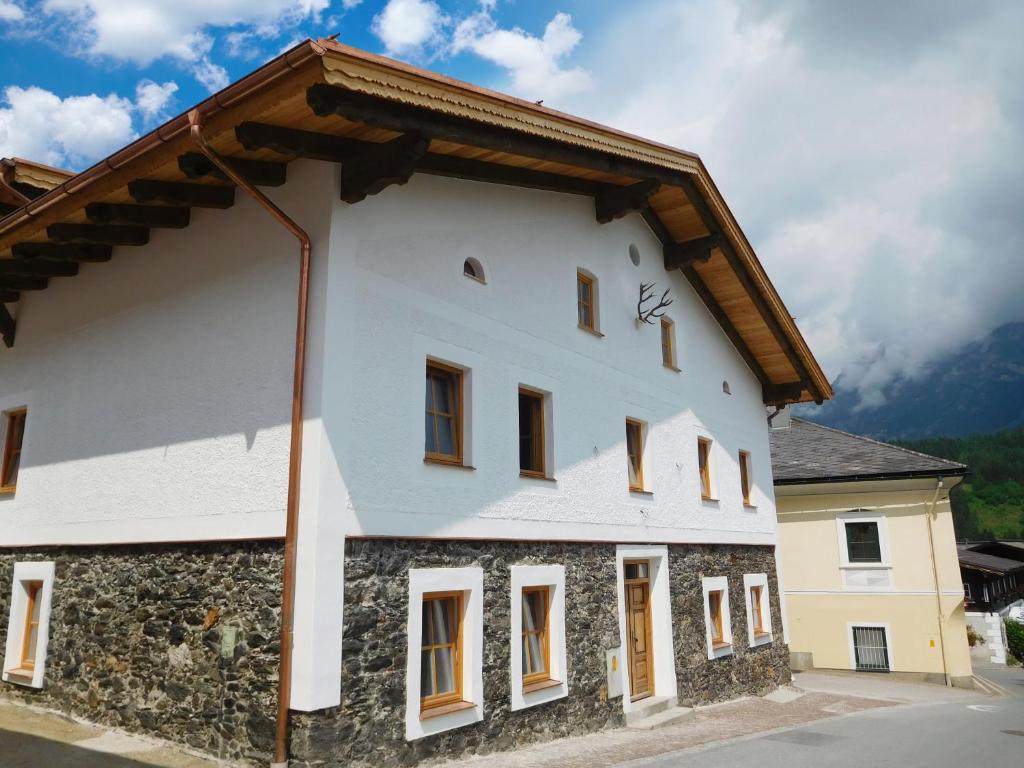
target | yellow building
x=868, y=556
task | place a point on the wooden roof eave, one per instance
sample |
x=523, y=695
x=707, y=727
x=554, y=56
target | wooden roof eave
x=380, y=103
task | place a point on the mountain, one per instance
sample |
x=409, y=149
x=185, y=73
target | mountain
x=979, y=388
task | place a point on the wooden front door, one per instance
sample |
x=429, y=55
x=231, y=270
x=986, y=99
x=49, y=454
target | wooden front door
x=638, y=628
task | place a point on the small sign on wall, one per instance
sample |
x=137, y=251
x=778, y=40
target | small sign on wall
x=613, y=661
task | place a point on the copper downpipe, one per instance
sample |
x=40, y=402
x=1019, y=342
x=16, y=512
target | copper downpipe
x=195, y=118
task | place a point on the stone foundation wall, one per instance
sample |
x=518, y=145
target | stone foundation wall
x=747, y=670
x=368, y=729
x=136, y=641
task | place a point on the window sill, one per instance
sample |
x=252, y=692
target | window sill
x=749, y=507
x=641, y=492
x=444, y=463
x=540, y=685
x=536, y=476
x=720, y=646
x=21, y=675
x=761, y=635
x=8, y=490
x=591, y=331
x=447, y=709
x=864, y=566
x=672, y=368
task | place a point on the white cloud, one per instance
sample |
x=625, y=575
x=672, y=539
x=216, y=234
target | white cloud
x=10, y=11
x=152, y=99
x=145, y=30
x=407, y=27
x=870, y=170
x=348, y=5
x=38, y=125
x=532, y=62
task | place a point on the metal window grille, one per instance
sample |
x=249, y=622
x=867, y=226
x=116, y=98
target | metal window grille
x=870, y=650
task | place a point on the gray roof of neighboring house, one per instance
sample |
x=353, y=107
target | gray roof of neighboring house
x=989, y=563
x=807, y=452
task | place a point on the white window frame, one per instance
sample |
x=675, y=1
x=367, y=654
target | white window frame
x=27, y=572
x=758, y=580
x=863, y=516
x=469, y=581
x=552, y=577
x=870, y=625
x=711, y=584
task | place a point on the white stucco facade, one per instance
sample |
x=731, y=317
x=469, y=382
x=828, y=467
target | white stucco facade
x=159, y=387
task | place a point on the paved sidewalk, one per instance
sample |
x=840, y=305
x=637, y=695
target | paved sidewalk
x=710, y=724
x=882, y=687
x=30, y=738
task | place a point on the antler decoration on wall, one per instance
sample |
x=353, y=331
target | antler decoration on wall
x=647, y=294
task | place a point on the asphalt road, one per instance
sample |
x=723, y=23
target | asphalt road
x=985, y=734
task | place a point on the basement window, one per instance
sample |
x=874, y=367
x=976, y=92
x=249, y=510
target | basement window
x=716, y=616
x=538, y=635
x=28, y=624
x=759, y=618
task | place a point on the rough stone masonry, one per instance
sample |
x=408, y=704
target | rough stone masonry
x=181, y=641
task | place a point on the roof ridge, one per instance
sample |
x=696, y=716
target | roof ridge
x=881, y=443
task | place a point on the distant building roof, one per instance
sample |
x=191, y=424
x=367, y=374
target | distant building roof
x=807, y=452
x=979, y=561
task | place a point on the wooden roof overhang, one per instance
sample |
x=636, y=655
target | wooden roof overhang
x=383, y=121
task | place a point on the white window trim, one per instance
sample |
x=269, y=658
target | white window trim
x=758, y=580
x=662, y=643
x=863, y=516
x=870, y=625
x=471, y=582
x=34, y=571
x=711, y=584
x=552, y=577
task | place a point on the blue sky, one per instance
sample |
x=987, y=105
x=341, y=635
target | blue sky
x=870, y=149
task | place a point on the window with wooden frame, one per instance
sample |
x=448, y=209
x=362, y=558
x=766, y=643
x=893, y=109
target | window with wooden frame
x=704, y=466
x=30, y=635
x=586, y=301
x=668, y=349
x=745, y=477
x=14, y=436
x=531, y=433
x=715, y=613
x=757, y=609
x=635, y=454
x=536, y=635
x=441, y=650
x=444, y=400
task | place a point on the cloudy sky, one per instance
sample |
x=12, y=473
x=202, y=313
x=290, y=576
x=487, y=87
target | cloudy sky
x=872, y=150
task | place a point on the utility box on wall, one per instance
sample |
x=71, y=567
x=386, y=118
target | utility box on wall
x=613, y=662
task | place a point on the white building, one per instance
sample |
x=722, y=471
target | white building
x=578, y=525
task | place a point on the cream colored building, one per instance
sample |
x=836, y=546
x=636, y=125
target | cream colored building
x=868, y=554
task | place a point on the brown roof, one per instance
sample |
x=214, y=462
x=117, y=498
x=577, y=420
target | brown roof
x=342, y=94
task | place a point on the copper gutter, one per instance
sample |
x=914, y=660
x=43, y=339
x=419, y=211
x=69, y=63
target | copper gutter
x=195, y=118
x=174, y=129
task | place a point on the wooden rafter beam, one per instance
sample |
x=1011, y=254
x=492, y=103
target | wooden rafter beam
x=262, y=173
x=746, y=280
x=496, y=173
x=20, y=283
x=617, y=202
x=291, y=141
x=701, y=289
x=9, y=297
x=381, y=166
x=37, y=268
x=326, y=100
x=679, y=255
x=162, y=216
x=101, y=234
x=181, y=193
x=781, y=394
x=7, y=327
x=63, y=252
